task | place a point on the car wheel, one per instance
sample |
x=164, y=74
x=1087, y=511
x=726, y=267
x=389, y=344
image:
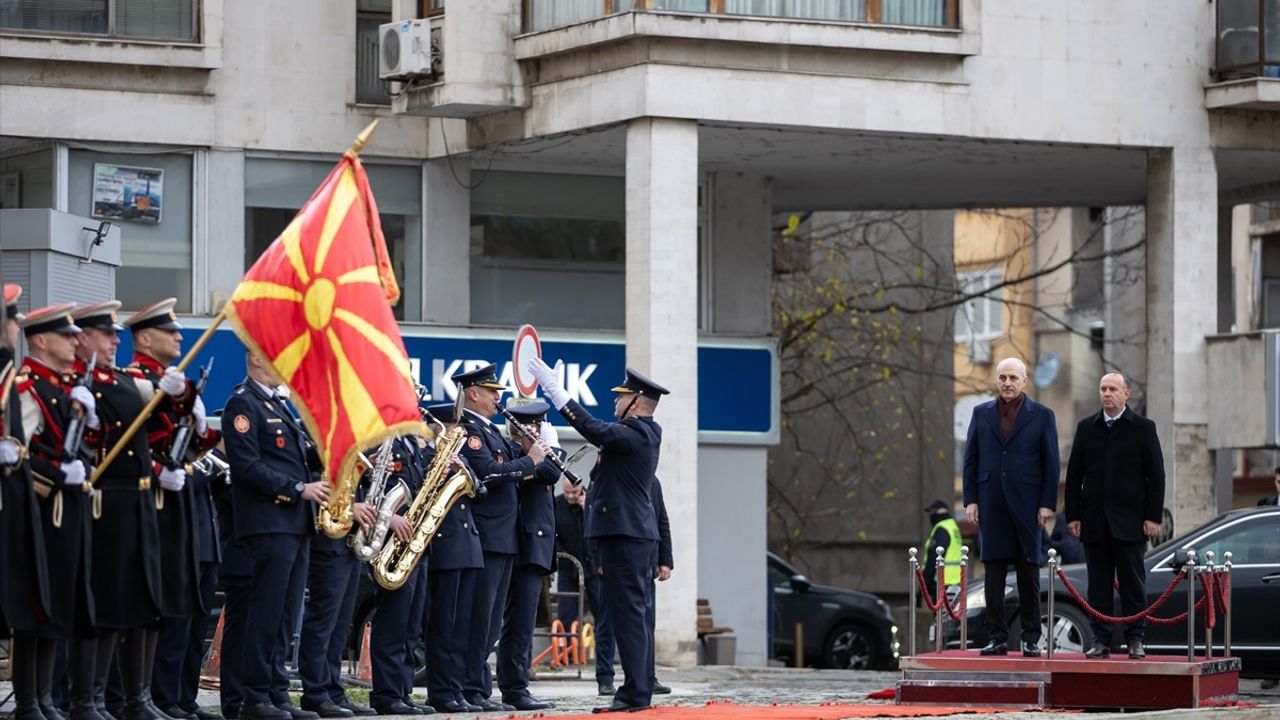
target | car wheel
x=1071, y=631
x=849, y=647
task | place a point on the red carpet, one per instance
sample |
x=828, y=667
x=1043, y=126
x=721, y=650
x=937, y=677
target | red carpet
x=727, y=710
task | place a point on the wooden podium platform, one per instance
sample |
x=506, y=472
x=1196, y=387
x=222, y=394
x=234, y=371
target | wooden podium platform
x=1159, y=682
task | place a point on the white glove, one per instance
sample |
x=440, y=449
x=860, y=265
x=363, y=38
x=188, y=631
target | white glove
x=81, y=394
x=74, y=471
x=549, y=435
x=549, y=379
x=173, y=382
x=202, y=424
x=8, y=452
x=173, y=479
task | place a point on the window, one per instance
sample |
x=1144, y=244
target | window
x=1249, y=544
x=982, y=316
x=370, y=14
x=26, y=174
x=275, y=188
x=150, y=19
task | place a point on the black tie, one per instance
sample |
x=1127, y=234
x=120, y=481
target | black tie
x=1110, y=422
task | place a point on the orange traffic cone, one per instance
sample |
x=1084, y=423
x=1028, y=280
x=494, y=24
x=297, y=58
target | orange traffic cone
x=211, y=673
x=364, y=669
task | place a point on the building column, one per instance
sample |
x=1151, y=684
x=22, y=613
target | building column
x=446, y=241
x=1182, y=302
x=662, y=342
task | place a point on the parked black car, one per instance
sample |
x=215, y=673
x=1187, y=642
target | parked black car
x=845, y=629
x=1251, y=535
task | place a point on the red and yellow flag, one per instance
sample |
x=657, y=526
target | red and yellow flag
x=317, y=305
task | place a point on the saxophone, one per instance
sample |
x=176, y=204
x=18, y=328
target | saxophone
x=334, y=518
x=396, y=561
x=366, y=542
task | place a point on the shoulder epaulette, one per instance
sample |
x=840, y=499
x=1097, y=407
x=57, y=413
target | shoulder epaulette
x=135, y=371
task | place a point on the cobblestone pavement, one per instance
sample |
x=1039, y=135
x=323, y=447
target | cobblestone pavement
x=762, y=686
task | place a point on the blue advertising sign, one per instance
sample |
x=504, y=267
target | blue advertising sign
x=737, y=379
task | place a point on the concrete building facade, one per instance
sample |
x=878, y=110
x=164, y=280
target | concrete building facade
x=651, y=140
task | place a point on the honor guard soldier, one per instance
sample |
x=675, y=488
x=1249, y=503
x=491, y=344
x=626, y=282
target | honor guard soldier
x=499, y=465
x=47, y=406
x=620, y=515
x=157, y=343
x=534, y=562
x=456, y=559
x=397, y=618
x=127, y=548
x=275, y=497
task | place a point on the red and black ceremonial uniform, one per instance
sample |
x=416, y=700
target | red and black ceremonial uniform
x=24, y=577
x=64, y=509
x=180, y=553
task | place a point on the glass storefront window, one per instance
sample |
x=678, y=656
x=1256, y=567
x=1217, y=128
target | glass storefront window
x=26, y=175
x=149, y=19
x=148, y=196
x=275, y=188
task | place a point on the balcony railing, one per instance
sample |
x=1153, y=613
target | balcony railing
x=544, y=14
x=1247, y=39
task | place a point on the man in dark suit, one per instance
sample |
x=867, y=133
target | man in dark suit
x=500, y=465
x=235, y=575
x=571, y=538
x=1274, y=499
x=1115, y=501
x=1010, y=489
x=274, y=495
x=620, y=517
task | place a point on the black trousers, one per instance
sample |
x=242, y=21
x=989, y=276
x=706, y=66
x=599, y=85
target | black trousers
x=397, y=623
x=1028, y=599
x=235, y=610
x=279, y=578
x=1109, y=562
x=332, y=577
x=448, y=627
x=628, y=575
x=486, y=620
x=180, y=651
x=515, y=642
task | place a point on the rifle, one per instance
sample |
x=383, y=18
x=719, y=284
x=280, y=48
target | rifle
x=75, y=429
x=187, y=425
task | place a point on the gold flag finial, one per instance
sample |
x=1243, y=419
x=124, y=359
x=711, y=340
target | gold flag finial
x=358, y=144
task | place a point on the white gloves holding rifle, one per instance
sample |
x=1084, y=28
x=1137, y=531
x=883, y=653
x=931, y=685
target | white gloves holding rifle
x=173, y=480
x=549, y=379
x=74, y=472
x=9, y=454
x=82, y=395
x=173, y=382
x=202, y=424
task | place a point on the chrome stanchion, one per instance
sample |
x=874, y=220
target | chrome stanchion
x=1053, y=574
x=913, y=566
x=941, y=599
x=964, y=599
x=1191, y=605
x=1226, y=628
x=1208, y=631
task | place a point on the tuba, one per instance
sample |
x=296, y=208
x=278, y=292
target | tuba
x=368, y=541
x=396, y=561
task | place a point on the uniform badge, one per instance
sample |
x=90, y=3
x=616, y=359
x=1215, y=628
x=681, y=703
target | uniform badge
x=474, y=442
x=280, y=443
x=242, y=424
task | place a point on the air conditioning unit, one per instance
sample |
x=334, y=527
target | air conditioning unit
x=404, y=50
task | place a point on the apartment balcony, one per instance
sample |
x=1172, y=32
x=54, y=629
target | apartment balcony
x=546, y=14
x=1246, y=56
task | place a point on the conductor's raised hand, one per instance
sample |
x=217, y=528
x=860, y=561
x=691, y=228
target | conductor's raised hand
x=549, y=379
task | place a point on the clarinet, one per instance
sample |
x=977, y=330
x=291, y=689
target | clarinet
x=534, y=437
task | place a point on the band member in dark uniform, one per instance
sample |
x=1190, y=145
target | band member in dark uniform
x=235, y=575
x=498, y=463
x=157, y=341
x=24, y=576
x=47, y=404
x=275, y=495
x=533, y=563
x=620, y=519
x=397, y=618
x=456, y=559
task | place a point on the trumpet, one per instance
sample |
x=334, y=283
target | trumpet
x=212, y=465
x=533, y=436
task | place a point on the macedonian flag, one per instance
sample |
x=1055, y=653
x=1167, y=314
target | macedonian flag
x=317, y=305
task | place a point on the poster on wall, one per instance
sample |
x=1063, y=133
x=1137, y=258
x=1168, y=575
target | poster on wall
x=122, y=192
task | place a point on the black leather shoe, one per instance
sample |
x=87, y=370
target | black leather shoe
x=200, y=713
x=619, y=706
x=995, y=647
x=1097, y=651
x=660, y=689
x=177, y=713
x=424, y=707
x=1136, y=650
x=450, y=706
x=606, y=688
x=486, y=705
x=328, y=709
x=527, y=702
x=263, y=711
x=355, y=709
x=296, y=712
x=396, y=708
x=231, y=713
x=1030, y=649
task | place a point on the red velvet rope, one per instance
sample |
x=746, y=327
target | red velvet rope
x=924, y=593
x=954, y=611
x=1224, y=590
x=1211, y=616
x=1147, y=614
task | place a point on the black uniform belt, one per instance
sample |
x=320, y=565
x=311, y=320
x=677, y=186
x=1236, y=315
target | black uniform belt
x=110, y=484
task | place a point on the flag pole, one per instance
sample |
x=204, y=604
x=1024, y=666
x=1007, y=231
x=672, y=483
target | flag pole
x=155, y=399
x=358, y=144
